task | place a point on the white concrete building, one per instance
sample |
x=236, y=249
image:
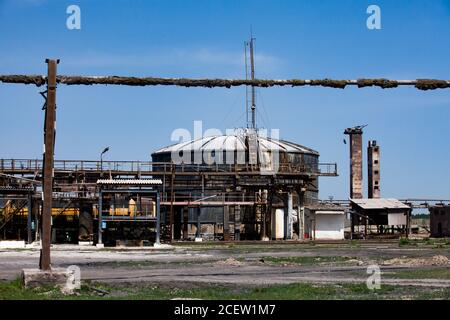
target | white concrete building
x=325, y=222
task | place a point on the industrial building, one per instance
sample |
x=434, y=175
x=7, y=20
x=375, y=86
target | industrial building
x=237, y=199
x=372, y=216
x=210, y=201
x=80, y=194
x=239, y=186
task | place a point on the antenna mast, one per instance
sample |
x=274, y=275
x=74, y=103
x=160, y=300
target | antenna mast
x=252, y=93
x=252, y=62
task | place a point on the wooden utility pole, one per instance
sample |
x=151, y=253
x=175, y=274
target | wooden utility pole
x=49, y=145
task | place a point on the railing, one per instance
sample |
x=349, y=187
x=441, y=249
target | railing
x=211, y=197
x=75, y=165
x=35, y=165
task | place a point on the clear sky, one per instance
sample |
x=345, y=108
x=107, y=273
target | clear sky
x=294, y=39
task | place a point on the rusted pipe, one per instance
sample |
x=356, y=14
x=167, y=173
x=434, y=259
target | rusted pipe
x=421, y=84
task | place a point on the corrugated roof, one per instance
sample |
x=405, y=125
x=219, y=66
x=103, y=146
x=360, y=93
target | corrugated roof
x=380, y=204
x=130, y=181
x=325, y=207
x=235, y=141
x=330, y=212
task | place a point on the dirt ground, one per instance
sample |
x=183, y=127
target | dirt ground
x=255, y=264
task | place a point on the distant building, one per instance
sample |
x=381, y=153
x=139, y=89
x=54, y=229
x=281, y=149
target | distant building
x=440, y=221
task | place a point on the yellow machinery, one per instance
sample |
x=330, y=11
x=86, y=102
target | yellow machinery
x=131, y=210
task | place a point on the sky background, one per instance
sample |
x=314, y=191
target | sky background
x=294, y=39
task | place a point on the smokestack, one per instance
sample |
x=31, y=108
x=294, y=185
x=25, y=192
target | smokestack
x=356, y=165
x=373, y=166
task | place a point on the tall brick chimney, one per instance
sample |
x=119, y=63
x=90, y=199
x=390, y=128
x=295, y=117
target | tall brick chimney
x=356, y=165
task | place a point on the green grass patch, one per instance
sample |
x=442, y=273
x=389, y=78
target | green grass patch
x=406, y=242
x=434, y=273
x=306, y=291
x=355, y=244
x=307, y=260
x=297, y=291
x=139, y=264
x=432, y=242
x=14, y=290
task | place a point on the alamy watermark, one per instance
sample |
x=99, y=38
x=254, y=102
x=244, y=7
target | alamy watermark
x=239, y=147
x=373, y=282
x=374, y=20
x=73, y=282
x=73, y=21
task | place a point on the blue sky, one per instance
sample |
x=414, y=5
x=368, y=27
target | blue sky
x=294, y=39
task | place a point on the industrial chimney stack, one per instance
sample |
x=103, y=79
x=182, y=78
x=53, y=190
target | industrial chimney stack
x=373, y=166
x=356, y=165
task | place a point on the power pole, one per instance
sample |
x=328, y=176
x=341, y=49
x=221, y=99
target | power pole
x=49, y=145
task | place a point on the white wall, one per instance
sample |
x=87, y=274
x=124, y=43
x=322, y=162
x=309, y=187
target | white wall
x=330, y=226
x=396, y=219
x=7, y=244
x=278, y=224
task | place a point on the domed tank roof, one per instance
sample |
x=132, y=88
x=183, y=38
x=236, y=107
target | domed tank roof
x=235, y=142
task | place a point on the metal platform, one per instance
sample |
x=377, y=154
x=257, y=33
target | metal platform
x=148, y=168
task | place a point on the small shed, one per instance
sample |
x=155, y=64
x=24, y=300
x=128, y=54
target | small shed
x=386, y=214
x=325, y=222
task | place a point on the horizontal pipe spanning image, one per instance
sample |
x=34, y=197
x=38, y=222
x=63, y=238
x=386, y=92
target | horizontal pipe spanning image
x=421, y=84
